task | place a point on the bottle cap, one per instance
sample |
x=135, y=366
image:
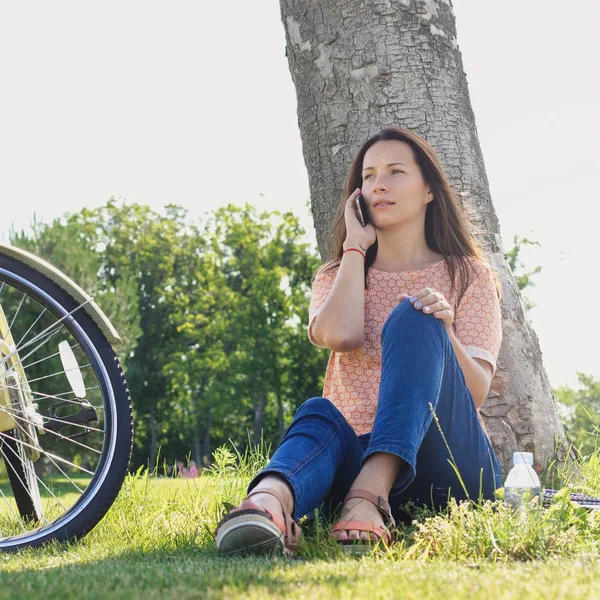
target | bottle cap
x=522, y=458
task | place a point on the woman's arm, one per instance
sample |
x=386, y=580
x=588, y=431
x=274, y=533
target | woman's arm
x=477, y=372
x=339, y=324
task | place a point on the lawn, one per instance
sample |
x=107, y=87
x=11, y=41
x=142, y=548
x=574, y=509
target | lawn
x=156, y=542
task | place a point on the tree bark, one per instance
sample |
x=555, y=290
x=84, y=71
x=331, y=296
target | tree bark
x=207, y=443
x=197, y=446
x=153, y=441
x=259, y=418
x=358, y=67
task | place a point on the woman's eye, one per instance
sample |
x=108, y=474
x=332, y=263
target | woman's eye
x=396, y=171
x=367, y=176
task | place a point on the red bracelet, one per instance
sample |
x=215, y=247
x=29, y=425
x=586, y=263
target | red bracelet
x=356, y=250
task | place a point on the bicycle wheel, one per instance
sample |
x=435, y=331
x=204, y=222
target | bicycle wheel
x=66, y=425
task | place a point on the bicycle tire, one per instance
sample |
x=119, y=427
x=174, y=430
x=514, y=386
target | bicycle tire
x=117, y=436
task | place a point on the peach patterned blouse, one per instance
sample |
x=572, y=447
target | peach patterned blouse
x=352, y=378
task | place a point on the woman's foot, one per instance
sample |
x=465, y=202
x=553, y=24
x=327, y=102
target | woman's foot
x=262, y=523
x=366, y=503
x=270, y=502
x=358, y=509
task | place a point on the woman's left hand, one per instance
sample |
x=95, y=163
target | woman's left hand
x=432, y=303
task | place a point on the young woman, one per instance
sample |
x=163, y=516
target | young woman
x=411, y=314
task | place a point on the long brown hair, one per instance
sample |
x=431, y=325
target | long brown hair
x=446, y=225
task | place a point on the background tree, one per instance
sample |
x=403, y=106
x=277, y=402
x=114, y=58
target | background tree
x=250, y=362
x=523, y=280
x=359, y=67
x=581, y=412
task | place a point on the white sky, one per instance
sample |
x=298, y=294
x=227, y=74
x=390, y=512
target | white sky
x=192, y=102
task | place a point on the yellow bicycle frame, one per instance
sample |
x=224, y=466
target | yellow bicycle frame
x=15, y=393
x=6, y=347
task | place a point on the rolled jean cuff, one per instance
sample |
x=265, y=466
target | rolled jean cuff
x=406, y=475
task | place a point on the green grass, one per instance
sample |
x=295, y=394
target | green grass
x=156, y=542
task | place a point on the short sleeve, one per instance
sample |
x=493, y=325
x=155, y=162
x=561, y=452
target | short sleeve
x=322, y=285
x=477, y=322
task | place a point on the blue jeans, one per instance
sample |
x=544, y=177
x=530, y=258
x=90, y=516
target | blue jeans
x=321, y=455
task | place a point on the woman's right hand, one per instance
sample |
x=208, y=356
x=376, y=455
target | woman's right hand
x=356, y=234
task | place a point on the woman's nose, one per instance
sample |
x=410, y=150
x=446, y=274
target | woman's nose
x=379, y=184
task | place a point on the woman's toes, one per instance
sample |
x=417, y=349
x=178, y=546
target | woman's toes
x=341, y=535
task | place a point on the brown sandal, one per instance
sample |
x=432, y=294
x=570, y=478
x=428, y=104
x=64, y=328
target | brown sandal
x=382, y=533
x=252, y=529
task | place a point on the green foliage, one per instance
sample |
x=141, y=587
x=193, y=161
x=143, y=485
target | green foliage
x=524, y=280
x=494, y=531
x=580, y=411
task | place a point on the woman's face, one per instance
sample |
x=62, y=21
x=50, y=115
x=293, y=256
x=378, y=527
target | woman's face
x=393, y=186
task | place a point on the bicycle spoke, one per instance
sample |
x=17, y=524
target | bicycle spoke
x=39, y=335
x=59, y=373
x=93, y=387
x=12, y=510
x=59, y=435
x=32, y=471
x=48, y=454
x=64, y=473
x=18, y=425
x=17, y=312
x=37, y=362
x=19, y=361
x=23, y=484
x=42, y=396
x=24, y=462
x=12, y=413
x=61, y=470
x=32, y=326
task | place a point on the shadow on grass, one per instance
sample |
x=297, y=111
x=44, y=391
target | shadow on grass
x=181, y=573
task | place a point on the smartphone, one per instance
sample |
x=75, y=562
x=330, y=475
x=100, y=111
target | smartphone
x=361, y=211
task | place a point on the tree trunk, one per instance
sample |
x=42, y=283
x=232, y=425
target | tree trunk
x=280, y=418
x=153, y=442
x=259, y=419
x=206, y=454
x=358, y=67
x=197, y=446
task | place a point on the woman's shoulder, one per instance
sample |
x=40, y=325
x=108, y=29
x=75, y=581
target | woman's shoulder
x=480, y=274
x=474, y=265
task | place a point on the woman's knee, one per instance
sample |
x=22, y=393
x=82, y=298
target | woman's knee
x=318, y=406
x=406, y=316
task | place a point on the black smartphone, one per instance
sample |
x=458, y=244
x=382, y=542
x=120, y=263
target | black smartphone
x=361, y=211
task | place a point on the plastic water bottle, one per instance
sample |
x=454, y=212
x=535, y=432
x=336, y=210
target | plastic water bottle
x=522, y=484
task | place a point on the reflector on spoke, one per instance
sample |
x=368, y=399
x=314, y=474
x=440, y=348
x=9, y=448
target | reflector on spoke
x=72, y=370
